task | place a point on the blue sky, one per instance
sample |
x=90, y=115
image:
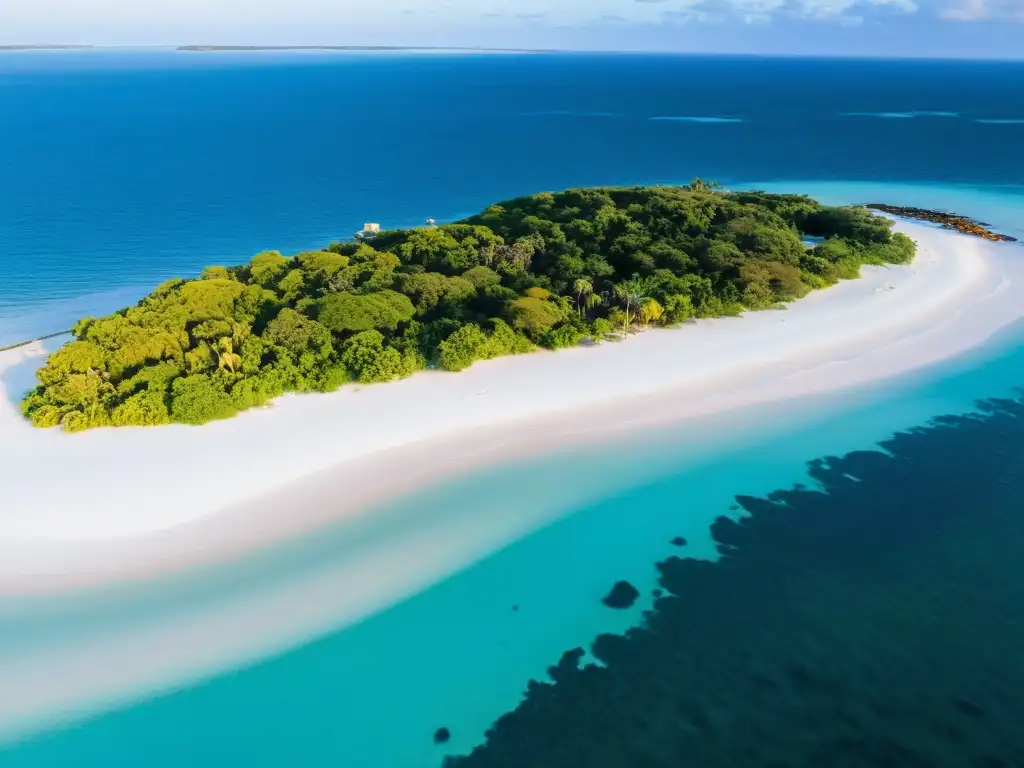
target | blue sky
x=960, y=28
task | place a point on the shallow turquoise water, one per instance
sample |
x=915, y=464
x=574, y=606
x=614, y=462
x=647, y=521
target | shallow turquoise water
x=460, y=653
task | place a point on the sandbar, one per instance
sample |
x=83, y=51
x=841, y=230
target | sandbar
x=117, y=503
x=84, y=515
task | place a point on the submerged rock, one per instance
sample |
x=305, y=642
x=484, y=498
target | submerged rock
x=442, y=735
x=678, y=541
x=623, y=595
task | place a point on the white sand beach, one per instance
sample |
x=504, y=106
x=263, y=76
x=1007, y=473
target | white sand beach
x=110, y=506
x=116, y=501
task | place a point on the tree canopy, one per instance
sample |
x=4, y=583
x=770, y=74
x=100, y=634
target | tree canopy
x=545, y=270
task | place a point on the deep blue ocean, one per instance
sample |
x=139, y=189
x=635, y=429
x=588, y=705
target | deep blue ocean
x=122, y=169
x=864, y=610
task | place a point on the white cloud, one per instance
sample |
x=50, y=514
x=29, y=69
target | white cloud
x=760, y=11
x=821, y=9
x=981, y=10
x=966, y=10
x=355, y=21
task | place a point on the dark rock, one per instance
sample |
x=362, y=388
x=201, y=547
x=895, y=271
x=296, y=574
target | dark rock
x=623, y=595
x=678, y=541
x=945, y=220
x=515, y=607
x=657, y=592
x=442, y=735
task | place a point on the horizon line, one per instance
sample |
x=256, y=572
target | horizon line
x=272, y=48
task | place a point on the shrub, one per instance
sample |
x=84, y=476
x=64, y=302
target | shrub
x=564, y=336
x=147, y=408
x=46, y=416
x=536, y=292
x=369, y=360
x=350, y=312
x=331, y=378
x=74, y=421
x=197, y=399
x=462, y=348
x=601, y=328
x=533, y=315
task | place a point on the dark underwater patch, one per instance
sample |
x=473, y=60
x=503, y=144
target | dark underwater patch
x=622, y=595
x=877, y=620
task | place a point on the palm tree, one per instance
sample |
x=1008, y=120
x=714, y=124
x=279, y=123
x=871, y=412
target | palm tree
x=632, y=294
x=226, y=357
x=651, y=312
x=582, y=287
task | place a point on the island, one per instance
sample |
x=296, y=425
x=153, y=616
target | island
x=352, y=48
x=551, y=270
x=952, y=221
x=57, y=47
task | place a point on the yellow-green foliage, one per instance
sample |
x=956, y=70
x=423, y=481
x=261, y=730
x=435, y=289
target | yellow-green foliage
x=544, y=270
x=536, y=292
x=534, y=315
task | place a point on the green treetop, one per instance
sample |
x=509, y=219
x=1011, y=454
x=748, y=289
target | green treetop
x=545, y=270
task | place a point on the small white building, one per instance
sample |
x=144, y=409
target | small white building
x=368, y=231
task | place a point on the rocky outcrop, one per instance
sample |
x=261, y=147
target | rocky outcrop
x=946, y=220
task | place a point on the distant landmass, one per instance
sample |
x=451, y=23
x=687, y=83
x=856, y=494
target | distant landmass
x=205, y=48
x=44, y=47
x=212, y=48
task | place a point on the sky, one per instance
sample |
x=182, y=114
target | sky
x=916, y=28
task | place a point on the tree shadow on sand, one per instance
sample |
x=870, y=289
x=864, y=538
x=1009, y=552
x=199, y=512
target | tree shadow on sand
x=875, y=621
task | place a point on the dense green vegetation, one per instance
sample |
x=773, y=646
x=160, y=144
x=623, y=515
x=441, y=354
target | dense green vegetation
x=547, y=270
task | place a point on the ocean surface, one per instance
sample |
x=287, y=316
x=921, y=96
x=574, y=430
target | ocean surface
x=122, y=169
x=850, y=592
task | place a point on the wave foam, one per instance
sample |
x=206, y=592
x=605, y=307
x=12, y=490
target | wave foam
x=695, y=119
x=902, y=115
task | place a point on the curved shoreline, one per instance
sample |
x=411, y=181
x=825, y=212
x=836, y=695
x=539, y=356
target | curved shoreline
x=29, y=342
x=955, y=296
x=136, y=510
